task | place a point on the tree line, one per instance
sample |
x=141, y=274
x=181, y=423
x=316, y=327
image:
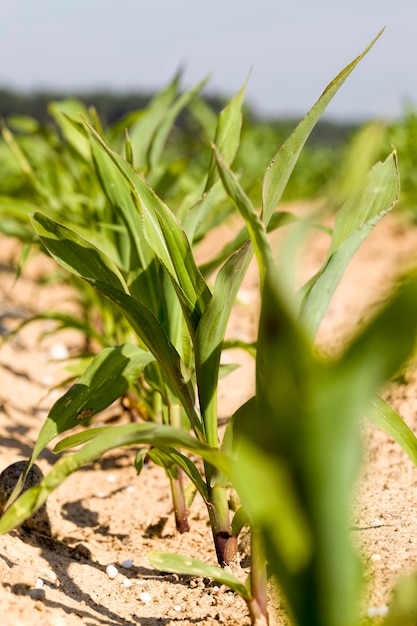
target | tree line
x=112, y=106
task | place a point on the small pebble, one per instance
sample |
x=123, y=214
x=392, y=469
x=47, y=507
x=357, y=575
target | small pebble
x=382, y=610
x=378, y=611
x=111, y=478
x=111, y=571
x=177, y=608
x=130, y=489
x=48, y=574
x=39, y=583
x=57, y=352
x=376, y=557
x=127, y=563
x=37, y=594
x=127, y=582
x=145, y=597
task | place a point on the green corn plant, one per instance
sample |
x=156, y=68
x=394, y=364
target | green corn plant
x=140, y=272
x=79, y=184
x=180, y=325
x=306, y=449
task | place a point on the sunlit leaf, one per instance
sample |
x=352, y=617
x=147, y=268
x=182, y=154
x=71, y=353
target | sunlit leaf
x=75, y=253
x=188, y=566
x=227, y=136
x=283, y=163
x=354, y=222
x=387, y=418
x=109, y=438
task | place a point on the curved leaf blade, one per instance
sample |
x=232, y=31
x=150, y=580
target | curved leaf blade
x=283, y=163
x=255, y=226
x=108, y=439
x=151, y=332
x=385, y=417
x=107, y=377
x=188, y=566
x=166, y=237
x=227, y=136
x=161, y=134
x=355, y=221
x=210, y=335
x=75, y=253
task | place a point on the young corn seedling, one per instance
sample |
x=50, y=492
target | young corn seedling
x=179, y=344
x=88, y=202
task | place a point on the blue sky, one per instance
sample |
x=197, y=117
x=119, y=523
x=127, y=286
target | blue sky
x=292, y=49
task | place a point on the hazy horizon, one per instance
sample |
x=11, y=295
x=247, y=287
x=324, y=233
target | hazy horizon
x=291, y=51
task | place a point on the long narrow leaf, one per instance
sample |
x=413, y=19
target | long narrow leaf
x=278, y=219
x=387, y=418
x=76, y=253
x=150, y=331
x=73, y=131
x=113, y=437
x=210, y=335
x=283, y=163
x=167, y=238
x=227, y=135
x=255, y=226
x=106, y=378
x=143, y=275
x=174, y=455
x=171, y=115
x=188, y=566
x=143, y=130
x=357, y=218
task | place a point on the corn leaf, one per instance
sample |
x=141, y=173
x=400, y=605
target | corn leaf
x=72, y=131
x=188, y=566
x=75, y=253
x=283, y=163
x=161, y=134
x=387, y=418
x=162, y=456
x=278, y=219
x=28, y=170
x=110, y=439
x=150, y=331
x=108, y=376
x=356, y=219
x=227, y=136
x=210, y=335
x=169, y=458
x=306, y=410
x=289, y=530
x=144, y=129
x=143, y=273
x=167, y=239
x=106, y=379
x=290, y=431
x=197, y=214
x=255, y=226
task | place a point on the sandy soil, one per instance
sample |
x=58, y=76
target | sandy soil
x=105, y=514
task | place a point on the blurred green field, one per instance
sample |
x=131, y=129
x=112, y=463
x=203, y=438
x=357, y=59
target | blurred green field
x=336, y=158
